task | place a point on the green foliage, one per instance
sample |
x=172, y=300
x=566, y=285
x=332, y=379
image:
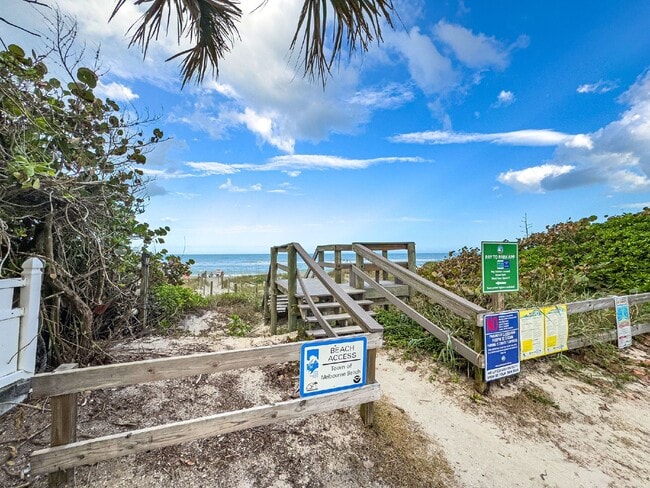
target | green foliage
x=237, y=327
x=170, y=302
x=403, y=333
x=570, y=261
x=71, y=192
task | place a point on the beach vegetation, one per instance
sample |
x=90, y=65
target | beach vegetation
x=569, y=261
x=238, y=327
x=170, y=302
x=72, y=188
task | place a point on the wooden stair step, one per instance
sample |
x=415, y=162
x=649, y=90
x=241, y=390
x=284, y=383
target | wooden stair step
x=325, y=305
x=319, y=333
x=334, y=316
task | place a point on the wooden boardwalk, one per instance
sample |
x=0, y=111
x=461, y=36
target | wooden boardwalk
x=315, y=288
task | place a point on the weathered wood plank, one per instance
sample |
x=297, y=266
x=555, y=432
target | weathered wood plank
x=64, y=425
x=318, y=316
x=117, y=445
x=325, y=305
x=609, y=336
x=604, y=303
x=447, y=299
x=133, y=373
x=437, y=331
x=368, y=409
x=317, y=289
x=335, y=316
x=380, y=246
x=341, y=331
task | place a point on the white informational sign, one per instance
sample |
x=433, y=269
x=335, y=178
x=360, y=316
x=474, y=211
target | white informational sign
x=531, y=333
x=332, y=365
x=623, y=324
x=557, y=328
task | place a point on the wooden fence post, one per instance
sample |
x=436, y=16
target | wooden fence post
x=273, y=290
x=368, y=409
x=144, y=287
x=338, y=275
x=480, y=385
x=64, y=426
x=292, y=302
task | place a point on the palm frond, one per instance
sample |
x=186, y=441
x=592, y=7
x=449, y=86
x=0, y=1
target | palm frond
x=209, y=24
x=358, y=21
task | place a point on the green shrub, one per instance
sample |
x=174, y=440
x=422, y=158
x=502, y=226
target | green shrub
x=237, y=327
x=169, y=302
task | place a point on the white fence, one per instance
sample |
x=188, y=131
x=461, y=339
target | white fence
x=19, y=307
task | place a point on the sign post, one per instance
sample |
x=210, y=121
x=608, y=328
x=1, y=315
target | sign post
x=332, y=365
x=500, y=266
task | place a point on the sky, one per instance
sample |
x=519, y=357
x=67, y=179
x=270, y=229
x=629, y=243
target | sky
x=472, y=121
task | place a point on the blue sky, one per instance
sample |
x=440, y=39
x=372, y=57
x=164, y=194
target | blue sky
x=470, y=116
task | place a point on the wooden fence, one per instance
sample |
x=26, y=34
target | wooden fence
x=19, y=305
x=64, y=384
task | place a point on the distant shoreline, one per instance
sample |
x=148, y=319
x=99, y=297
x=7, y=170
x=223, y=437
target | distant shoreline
x=235, y=265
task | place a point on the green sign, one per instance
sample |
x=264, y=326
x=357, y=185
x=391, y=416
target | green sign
x=500, y=266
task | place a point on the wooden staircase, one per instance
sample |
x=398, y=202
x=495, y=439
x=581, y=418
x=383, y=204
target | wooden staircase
x=334, y=313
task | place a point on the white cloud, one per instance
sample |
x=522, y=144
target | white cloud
x=291, y=165
x=391, y=96
x=165, y=174
x=504, y=98
x=229, y=186
x=601, y=86
x=476, y=51
x=528, y=137
x=116, y=91
x=432, y=72
x=211, y=168
x=530, y=179
x=322, y=162
x=617, y=155
x=636, y=206
x=267, y=128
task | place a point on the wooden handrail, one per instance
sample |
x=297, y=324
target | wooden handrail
x=438, y=332
x=351, y=307
x=447, y=299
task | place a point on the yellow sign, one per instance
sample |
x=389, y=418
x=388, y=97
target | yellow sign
x=543, y=331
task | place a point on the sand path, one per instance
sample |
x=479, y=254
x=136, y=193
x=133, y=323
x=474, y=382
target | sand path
x=591, y=440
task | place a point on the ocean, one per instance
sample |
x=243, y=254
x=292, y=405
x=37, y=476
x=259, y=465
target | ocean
x=257, y=264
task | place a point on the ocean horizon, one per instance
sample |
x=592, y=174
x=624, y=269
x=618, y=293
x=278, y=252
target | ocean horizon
x=257, y=264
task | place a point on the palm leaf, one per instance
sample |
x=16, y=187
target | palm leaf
x=209, y=24
x=358, y=21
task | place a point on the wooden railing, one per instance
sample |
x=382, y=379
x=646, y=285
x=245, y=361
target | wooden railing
x=64, y=384
x=459, y=305
x=294, y=279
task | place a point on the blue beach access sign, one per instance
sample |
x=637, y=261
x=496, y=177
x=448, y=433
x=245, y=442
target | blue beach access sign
x=332, y=365
x=501, y=331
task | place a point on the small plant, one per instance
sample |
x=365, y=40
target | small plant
x=237, y=327
x=540, y=396
x=169, y=302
